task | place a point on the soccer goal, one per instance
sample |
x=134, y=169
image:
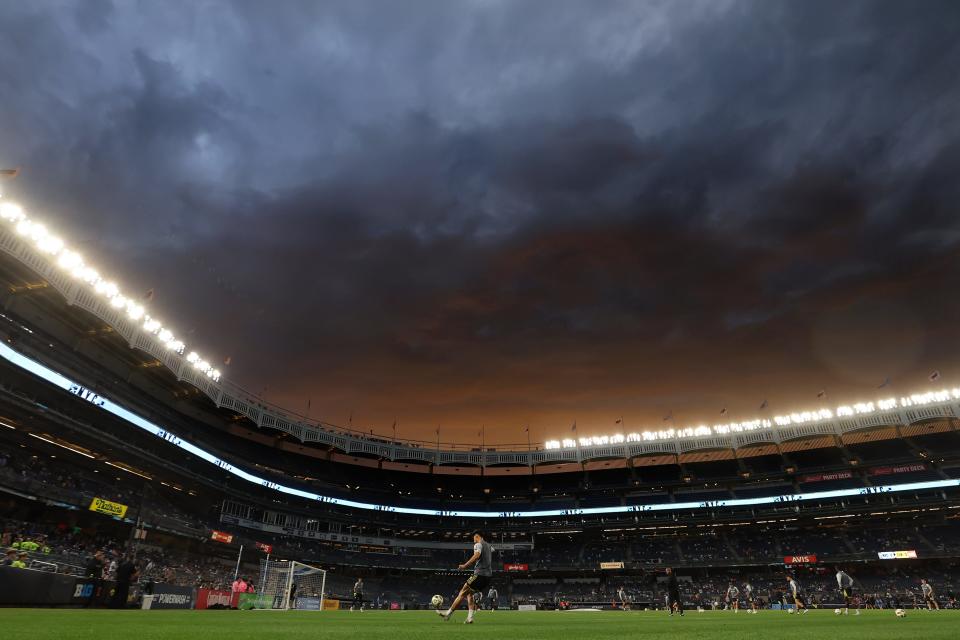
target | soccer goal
x=291, y=585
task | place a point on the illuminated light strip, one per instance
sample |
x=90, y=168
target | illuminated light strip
x=109, y=406
x=8, y=426
x=72, y=263
x=62, y=446
x=128, y=470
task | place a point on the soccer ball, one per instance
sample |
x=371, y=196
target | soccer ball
x=900, y=613
x=436, y=601
x=790, y=611
x=837, y=611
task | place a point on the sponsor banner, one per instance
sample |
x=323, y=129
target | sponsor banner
x=527, y=607
x=330, y=604
x=811, y=559
x=207, y=598
x=256, y=600
x=904, y=468
x=108, y=508
x=169, y=596
x=220, y=536
x=826, y=477
x=311, y=603
x=263, y=546
x=896, y=555
x=28, y=588
x=611, y=565
x=516, y=566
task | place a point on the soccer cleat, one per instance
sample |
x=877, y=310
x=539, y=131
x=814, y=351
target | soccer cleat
x=468, y=621
x=445, y=615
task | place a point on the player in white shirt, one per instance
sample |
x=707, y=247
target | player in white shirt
x=928, y=595
x=845, y=584
x=624, y=599
x=492, y=597
x=748, y=593
x=733, y=598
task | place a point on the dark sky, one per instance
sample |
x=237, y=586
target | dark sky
x=508, y=213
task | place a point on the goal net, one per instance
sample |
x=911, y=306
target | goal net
x=290, y=585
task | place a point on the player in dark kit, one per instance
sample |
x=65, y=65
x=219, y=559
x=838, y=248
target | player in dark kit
x=674, y=601
x=845, y=585
x=482, y=563
x=796, y=594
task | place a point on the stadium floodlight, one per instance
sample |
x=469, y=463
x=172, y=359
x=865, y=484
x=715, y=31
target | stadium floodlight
x=787, y=420
x=11, y=212
x=134, y=310
x=50, y=244
x=71, y=261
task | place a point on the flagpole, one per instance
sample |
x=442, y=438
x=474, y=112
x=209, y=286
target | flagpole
x=236, y=571
x=528, y=437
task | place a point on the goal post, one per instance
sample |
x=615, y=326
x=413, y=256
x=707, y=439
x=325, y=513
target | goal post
x=283, y=583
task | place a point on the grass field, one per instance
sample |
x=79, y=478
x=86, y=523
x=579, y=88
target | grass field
x=59, y=624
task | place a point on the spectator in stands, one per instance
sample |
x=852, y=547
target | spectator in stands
x=9, y=558
x=21, y=561
x=94, y=573
x=239, y=585
x=126, y=573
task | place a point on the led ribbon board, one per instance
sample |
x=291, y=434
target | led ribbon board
x=131, y=418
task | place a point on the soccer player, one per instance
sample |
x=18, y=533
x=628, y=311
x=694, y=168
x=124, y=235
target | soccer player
x=748, y=593
x=357, y=594
x=492, y=597
x=928, y=595
x=733, y=598
x=482, y=562
x=622, y=595
x=845, y=584
x=796, y=594
x=674, y=601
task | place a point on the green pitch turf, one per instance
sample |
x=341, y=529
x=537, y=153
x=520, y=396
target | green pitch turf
x=59, y=624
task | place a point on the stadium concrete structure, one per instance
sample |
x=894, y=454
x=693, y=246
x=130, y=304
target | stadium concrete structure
x=84, y=373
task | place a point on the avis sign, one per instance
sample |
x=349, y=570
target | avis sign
x=812, y=559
